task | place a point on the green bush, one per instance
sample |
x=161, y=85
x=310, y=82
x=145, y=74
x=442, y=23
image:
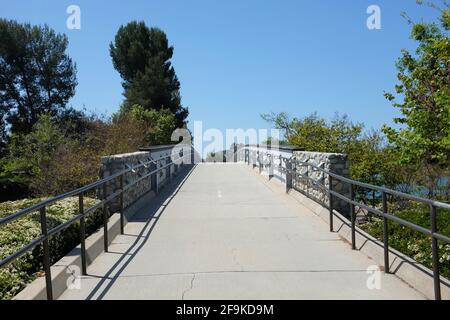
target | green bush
x=13, y=236
x=413, y=243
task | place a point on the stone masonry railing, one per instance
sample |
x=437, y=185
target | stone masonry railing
x=333, y=162
x=261, y=156
x=116, y=163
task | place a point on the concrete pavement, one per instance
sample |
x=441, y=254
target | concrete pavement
x=225, y=233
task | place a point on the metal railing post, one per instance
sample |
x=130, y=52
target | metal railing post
x=288, y=175
x=260, y=162
x=435, y=251
x=46, y=254
x=105, y=219
x=323, y=174
x=154, y=177
x=82, y=234
x=271, y=164
x=352, y=217
x=330, y=201
x=182, y=160
x=385, y=234
x=122, y=222
x=307, y=180
x=169, y=169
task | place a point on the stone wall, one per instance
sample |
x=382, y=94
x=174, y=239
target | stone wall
x=332, y=162
x=117, y=163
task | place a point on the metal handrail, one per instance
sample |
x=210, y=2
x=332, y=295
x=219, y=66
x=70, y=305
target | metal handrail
x=75, y=192
x=433, y=232
x=46, y=234
x=376, y=211
x=438, y=204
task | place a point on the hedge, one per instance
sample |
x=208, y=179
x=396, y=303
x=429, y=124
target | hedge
x=413, y=243
x=13, y=236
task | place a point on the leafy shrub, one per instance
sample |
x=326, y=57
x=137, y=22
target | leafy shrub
x=53, y=158
x=13, y=236
x=412, y=243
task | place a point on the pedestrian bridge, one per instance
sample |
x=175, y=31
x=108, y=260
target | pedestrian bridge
x=226, y=231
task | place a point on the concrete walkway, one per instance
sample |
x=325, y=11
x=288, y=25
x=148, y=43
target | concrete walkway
x=226, y=233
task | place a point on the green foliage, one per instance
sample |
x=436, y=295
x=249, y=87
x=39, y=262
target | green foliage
x=62, y=154
x=3, y=132
x=370, y=160
x=160, y=124
x=424, y=136
x=375, y=163
x=38, y=77
x=274, y=142
x=29, y=153
x=18, y=233
x=142, y=57
x=314, y=133
x=281, y=121
x=412, y=243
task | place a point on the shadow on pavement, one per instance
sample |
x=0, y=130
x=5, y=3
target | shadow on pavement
x=152, y=213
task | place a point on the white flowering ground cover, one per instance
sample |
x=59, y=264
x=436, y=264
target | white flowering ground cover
x=13, y=236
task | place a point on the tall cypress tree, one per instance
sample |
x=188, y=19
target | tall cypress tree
x=142, y=56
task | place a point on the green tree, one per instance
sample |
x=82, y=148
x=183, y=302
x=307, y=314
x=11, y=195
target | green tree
x=36, y=75
x=424, y=134
x=314, y=133
x=3, y=133
x=282, y=122
x=371, y=161
x=158, y=124
x=63, y=153
x=29, y=154
x=142, y=56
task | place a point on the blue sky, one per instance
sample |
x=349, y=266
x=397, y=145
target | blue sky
x=238, y=59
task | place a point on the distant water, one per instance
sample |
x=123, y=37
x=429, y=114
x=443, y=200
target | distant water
x=418, y=191
x=422, y=191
